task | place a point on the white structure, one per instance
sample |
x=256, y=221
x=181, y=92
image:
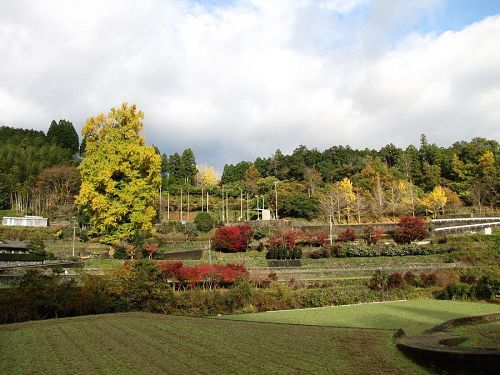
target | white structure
x=265, y=214
x=27, y=221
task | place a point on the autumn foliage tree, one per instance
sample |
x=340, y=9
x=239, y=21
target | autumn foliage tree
x=120, y=175
x=435, y=200
x=206, y=276
x=232, y=238
x=346, y=235
x=151, y=249
x=372, y=235
x=287, y=239
x=410, y=229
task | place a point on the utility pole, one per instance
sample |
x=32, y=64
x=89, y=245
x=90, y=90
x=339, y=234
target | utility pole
x=181, y=205
x=241, y=204
x=223, y=205
x=330, y=225
x=209, y=253
x=227, y=208
x=207, y=201
x=188, y=207
x=248, y=209
x=159, y=210
x=74, y=235
x=168, y=205
x=276, y=199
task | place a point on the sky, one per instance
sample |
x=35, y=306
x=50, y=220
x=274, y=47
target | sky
x=234, y=80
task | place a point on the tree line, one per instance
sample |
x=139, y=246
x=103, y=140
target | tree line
x=352, y=184
x=39, y=174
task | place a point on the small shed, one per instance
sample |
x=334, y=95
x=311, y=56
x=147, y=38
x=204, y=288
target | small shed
x=26, y=221
x=12, y=247
x=263, y=214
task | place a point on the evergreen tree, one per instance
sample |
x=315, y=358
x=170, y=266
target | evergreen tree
x=188, y=166
x=174, y=168
x=64, y=135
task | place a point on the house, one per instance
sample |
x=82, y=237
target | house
x=12, y=247
x=27, y=221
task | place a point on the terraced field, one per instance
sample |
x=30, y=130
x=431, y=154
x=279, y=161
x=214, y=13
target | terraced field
x=140, y=343
x=332, y=340
x=484, y=335
x=414, y=316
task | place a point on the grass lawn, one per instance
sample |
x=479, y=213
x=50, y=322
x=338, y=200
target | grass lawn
x=484, y=335
x=141, y=343
x=414, y=316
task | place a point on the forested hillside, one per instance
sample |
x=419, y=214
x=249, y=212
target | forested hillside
x=38, y=171
x=388, y=182
x=38, y=175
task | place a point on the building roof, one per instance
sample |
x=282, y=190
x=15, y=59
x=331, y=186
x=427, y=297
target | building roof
x=12, y=245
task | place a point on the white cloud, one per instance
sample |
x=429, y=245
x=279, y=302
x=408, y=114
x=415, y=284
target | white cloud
x=239, y=81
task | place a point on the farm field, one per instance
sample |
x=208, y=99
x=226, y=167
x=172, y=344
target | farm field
x=414, y=316
x=142, y=343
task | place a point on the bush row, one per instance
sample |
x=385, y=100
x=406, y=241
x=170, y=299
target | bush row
x=282, y=252
x=350, y=249
x=486, y=287
x=466, y=286
x=141, y=286
x=202, y=275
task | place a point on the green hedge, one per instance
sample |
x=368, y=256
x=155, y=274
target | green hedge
x=21, y=258
x=282, y=252
x=363, y=250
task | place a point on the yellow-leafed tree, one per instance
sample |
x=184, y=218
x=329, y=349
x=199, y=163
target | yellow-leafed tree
x=206, y=175
x=347, y=191
x=435, y=200
x=120, y=175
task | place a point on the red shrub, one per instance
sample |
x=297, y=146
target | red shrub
x=273, y=276
x=468, y=279
x=314, y=238
x=232, y=239
x=446, y=277
x=189, y=275
x=151, y=248
x=410, y=229
x=428, y=279
x=347, y=235
x=409, y=278
x=170, y=269
x=231, y=272
x=286, y=239
x=372, y=235
x=395, y=280
x=204, y=274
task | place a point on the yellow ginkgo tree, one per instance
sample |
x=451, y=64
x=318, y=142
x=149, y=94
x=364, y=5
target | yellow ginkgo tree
x=120, y=175
x=435, y=200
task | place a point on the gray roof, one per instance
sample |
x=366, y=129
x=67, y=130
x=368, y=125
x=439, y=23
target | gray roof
x=13, y=245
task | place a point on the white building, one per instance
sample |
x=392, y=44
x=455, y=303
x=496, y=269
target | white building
x=27, y=221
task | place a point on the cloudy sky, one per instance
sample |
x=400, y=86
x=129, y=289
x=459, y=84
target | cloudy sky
x=238, y=79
